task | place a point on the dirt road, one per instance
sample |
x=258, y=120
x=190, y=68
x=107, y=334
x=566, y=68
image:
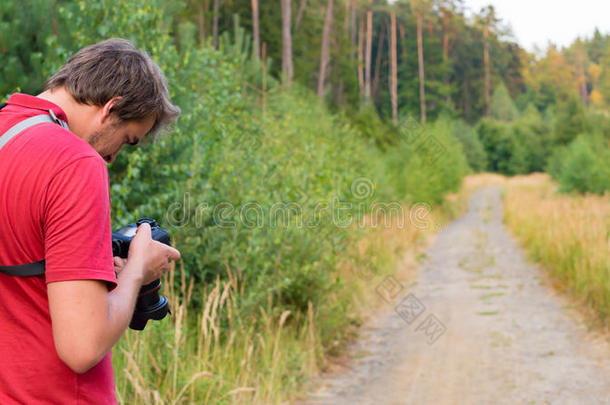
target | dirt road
x=480, y=326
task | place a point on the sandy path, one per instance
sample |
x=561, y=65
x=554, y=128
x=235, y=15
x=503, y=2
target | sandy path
x=480, y=326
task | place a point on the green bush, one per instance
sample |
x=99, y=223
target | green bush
x=471, y=145
x=501, y=106
x=427, y=163
x=518, y=147
x=498, y=143
x=570, y=121
x=583, y=165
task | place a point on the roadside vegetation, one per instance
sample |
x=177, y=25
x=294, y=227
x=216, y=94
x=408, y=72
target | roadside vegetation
x=289, y=206
x=568, y=234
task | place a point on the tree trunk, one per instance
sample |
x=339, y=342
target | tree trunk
x=445, y=45
x=487, y=84
x=420, y=57
x=403, y=43
x=287, y=68
x=346, y=20
x=201, y=22
x=446, y=18
x=325, y=54
x=215, y=25
x=368, y=54
x=467, y=103
x=255, y=33
x=378, y=60
x=300, y=14
x=403, y=48
x=393, y=68
x=353, y=47
x=361, y=56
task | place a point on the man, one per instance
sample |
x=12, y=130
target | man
x=57, y=329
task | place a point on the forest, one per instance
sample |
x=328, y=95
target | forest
x=304, y=104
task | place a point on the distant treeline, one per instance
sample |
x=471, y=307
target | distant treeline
x=420, y=58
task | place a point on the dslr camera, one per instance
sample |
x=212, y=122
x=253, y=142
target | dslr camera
x=150, y=305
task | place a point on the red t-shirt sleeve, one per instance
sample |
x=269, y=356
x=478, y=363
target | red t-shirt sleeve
x=76, y=223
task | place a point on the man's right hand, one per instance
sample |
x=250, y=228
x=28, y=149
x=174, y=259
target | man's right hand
x=88, y=320
x=150, y=257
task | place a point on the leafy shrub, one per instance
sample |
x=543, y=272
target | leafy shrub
x=427, y=163
x=517, y=147
x=498, y=143
x=501, y=106
x=583, y=165
x=569, y=122
x=471, y=145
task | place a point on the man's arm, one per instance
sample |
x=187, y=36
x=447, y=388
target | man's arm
x=88, y=320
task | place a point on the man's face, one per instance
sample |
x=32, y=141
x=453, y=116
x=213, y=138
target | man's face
x=110, y=137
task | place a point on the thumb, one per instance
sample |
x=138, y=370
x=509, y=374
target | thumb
x=144, y=231
x=174, y=254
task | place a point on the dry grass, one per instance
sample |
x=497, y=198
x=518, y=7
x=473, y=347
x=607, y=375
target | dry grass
x=568, y=234
x=216, y=356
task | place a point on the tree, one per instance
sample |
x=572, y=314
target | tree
x=353, y=30
x=302, y=6
x=215, y=24
x=448, y=10
x=393, y=67
x=501, y=106
x=380, y=42
x=255, y=30
x=580, y=63
x=202, y=8
x=368, y=54
x=361, y=84
x=287, y=68
x=420, y=7
x=325, y=54
x=403, y=42
x=488, y=20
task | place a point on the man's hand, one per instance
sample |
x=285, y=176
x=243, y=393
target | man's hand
x=119, y=263
x=153, y=257
x=88, y=320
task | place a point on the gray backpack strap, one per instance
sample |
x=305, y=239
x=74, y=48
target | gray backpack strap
x=22, y=126
x=24, y=270
x=38, y=268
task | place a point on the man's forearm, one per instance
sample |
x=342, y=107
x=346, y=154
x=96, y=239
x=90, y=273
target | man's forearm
x=88, y=320
x=121, y=304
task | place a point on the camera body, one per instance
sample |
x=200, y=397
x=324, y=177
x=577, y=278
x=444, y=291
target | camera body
x=150, y=305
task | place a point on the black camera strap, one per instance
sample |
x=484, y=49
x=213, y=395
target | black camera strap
x=37, y=268
x=24, y=270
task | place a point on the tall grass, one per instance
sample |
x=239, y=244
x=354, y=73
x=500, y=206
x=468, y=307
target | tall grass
x=568, y=234
x=223, y=354
x=217, y=356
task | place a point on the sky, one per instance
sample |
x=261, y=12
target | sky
x=536, y=22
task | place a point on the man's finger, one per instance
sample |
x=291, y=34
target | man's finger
x=144, y=228
x=174, y=254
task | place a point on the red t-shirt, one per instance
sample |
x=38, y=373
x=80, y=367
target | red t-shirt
x=54, y=205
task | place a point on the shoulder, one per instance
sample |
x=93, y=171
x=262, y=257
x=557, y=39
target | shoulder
x=59, y=148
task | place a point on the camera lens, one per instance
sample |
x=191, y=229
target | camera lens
x=149, y=306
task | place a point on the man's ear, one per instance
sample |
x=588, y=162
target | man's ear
x=106, y=109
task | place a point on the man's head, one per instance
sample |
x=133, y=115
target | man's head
x=119, y=93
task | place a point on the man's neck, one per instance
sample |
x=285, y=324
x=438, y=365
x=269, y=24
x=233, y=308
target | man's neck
x=80, y=116
x=61, y=98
